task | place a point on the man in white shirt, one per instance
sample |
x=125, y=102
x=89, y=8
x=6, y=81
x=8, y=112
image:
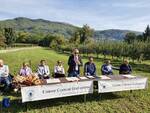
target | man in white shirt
x=59, y=70
x=43, y=70
x=4, y=75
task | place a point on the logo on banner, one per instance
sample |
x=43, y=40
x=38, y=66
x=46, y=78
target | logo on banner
x=104, y=86
x=30, y=94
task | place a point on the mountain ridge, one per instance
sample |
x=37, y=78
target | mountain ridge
x=63, y=28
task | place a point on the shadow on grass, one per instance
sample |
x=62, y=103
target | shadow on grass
x=17, y=106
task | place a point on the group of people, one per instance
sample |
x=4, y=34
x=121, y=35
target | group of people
x=74, y=63
x=43, y=71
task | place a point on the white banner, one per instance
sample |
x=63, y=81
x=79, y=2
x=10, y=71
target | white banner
x=121, y=85
x=49, y=91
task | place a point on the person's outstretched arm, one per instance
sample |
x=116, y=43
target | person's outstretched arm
x=103, y=69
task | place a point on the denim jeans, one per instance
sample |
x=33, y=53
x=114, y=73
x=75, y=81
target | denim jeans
x=6, y=81
x=73, y=74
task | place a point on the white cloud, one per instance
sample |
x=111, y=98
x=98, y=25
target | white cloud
x=100, y=14
x=132, y=4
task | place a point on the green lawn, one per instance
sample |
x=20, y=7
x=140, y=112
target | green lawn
x=118, y=102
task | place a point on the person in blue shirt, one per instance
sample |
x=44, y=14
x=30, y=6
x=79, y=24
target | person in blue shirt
x=125, y=68
x=107, y=68
x=90, y=68
x=4, y=75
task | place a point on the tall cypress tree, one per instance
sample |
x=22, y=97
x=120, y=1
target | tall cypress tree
x=2, y=38
x=146, y=34
x=10, y=36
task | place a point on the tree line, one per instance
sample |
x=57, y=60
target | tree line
x=133, y=46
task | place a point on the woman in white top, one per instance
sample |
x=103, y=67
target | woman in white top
x=59, y=70
x=43, y=70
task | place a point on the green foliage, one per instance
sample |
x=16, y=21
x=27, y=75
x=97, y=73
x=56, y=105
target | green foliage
x=2, y=38
x=52, y=41
x=46, y=40
x=36, y=26
x=139, y=38
x=82, y=35
x=76, y=38
x=10, y=36
x=2, y=41
x=22, y=37
x=130, y=38
x=146, y=34
x=85, y=32
x=26, y=37
x=136, y=50
x=116, y=102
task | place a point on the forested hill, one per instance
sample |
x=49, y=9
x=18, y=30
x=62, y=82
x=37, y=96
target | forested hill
x=39, y=26
x=45, y=26
x=113, y=34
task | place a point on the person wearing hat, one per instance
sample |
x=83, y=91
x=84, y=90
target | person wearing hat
x=59, y=70
x=74, y=62
x=4, y=75
x=25, y=70
x=125, y=68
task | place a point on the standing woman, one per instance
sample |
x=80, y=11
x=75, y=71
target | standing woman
x=74, y=63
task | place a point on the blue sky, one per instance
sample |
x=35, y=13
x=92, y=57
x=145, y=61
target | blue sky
x=99, y=14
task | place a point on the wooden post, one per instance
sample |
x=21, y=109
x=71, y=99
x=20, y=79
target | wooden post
x=84, y=97
x=26, y=105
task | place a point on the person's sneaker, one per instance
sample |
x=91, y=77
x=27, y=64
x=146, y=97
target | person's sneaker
x=15, y=90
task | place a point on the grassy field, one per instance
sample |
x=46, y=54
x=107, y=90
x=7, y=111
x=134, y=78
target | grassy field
x=118, y=102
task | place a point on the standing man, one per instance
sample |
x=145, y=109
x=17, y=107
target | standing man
x=43, y=70
x=125, y=68
x=90, y=68
x=74, y=63
x=4, y=75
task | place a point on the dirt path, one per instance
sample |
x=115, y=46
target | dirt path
x=17, y=49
